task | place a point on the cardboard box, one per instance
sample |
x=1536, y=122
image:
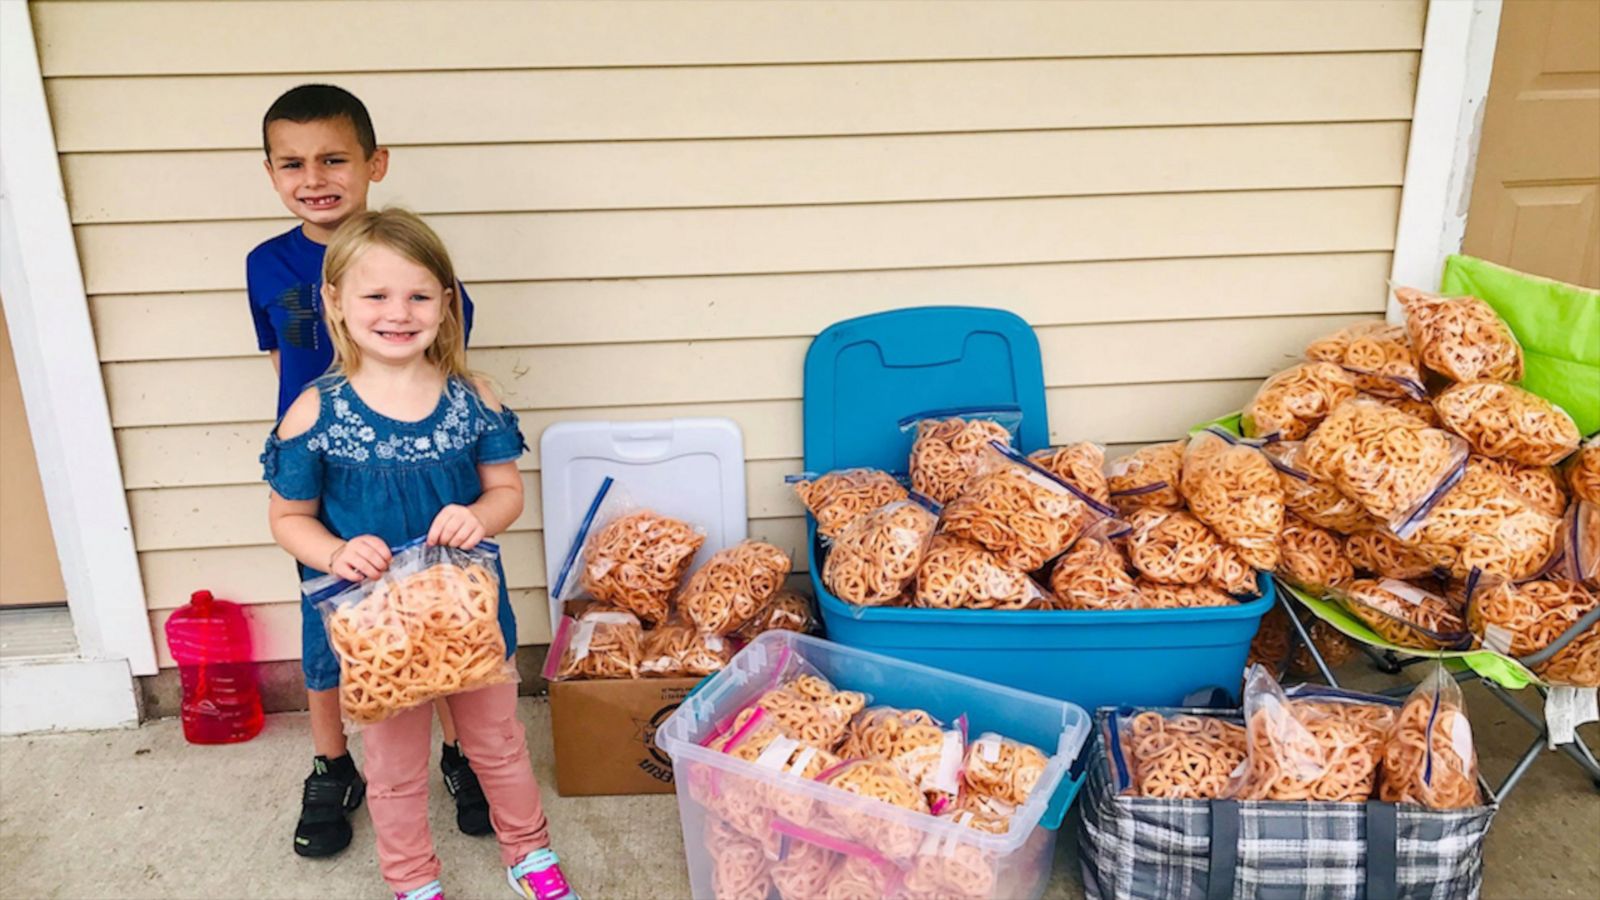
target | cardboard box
x=605, y=734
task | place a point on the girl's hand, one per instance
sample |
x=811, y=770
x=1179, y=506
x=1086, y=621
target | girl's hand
x=456, y=526
x=360, y=558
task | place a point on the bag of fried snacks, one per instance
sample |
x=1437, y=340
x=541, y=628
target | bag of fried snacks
x=426, y=628
x=1305, y=751
x=739, y=868
x=1378, y=355
x=1429, y=759
x=1389, y=462
x=948, y=444
x=1541, y=486
x=1023, y=514
x=1154, y=595
x=1093, y=575
x=679, y=650
x=880, y=780
x=1003, y=769
x=923, y=750
x=960, y=574
x=786, y=611
x=1577, y=664
x=1292, y=402
x=1461, y=338
x=1507, y=422
x=630, y=557
x=873, y=561
x=1312, y=499
x=1148, y=476
x=1377, y=552
x=733, y=586
x=602, y=642
x=806, y=706
x=1403, y=614
x=802, y=869
x=1482, y=523
x=1583, y=471
x=1081, y=465
x=837, y=498
x=1522, y=619
x=1580, y=537
x=1312, y=558
x=1175, y=756
x=1234, y=489
x=1170, y=547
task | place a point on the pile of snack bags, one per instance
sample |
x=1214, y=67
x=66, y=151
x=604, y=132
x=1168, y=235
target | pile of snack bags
x=764, y=832
x=1398, y=470
x=646, y=616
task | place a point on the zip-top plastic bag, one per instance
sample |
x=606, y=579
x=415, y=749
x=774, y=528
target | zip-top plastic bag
x=1233, y=488
x=1093, y=575
x=1176, y=756
x=950, y=442
x=1481, y=523
x=925, y=751
x=1461, y=338
x=1312, y=499
x=1171, y=547
x=960, y=574
x=1375, y=551
x=1148, y=477
x=1081, y=465
x=1541, y=486
x=880, y=780
x=837, y=498
x=1580, y=538
x=1022, y=513
x=1393, y=464
x=628, y=556
x=1378, y=355
x=1507, y=422
x=787, y=610
x=1404, y=614
x=1583, y=471
x=603, y=642
x=733, y=586
x=875, y=559
x=1292, y=402
x=1154, y=595
x=1429, y=758
x=679, y=650
x=1325, y=747
x=1003, y=769
x=1312, y=558
x=428, y=627
x=1522, y=619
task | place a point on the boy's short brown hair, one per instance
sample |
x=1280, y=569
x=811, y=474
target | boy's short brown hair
x=315, y=102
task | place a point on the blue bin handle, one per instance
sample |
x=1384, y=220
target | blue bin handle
x=1065, y=793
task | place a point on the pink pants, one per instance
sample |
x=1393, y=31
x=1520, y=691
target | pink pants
x=397, y=782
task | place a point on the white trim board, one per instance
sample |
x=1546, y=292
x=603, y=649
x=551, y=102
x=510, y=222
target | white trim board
x=1452, y=86
x=59, y=371
x=66, y=695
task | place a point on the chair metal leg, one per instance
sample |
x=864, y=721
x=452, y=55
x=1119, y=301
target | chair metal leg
x=1578, y=751
x=1304, y=636
x=1521, y=768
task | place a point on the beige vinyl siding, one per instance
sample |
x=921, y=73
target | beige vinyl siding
x=646, y=199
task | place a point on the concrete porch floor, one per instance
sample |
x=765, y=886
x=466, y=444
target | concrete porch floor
x=140, y=813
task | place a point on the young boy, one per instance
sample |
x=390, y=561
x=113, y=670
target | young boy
x=322, y=155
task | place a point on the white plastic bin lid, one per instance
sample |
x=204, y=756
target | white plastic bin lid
x=690, y=469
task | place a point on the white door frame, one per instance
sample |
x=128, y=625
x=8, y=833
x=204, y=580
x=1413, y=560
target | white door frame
x=59, y=370
x=1446, y=124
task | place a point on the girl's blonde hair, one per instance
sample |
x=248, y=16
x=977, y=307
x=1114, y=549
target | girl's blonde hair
x=404, y=232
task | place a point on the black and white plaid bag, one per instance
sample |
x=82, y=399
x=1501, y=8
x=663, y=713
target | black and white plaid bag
x=1133, y=847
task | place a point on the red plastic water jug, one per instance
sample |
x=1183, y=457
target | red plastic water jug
x=210, y=640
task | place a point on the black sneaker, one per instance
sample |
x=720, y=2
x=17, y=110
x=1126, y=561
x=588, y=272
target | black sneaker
x=472, y=807
x=333, y=791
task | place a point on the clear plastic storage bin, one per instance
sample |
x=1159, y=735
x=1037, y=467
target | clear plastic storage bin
x=745, y=824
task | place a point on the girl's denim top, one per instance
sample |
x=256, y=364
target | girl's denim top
x=385, y=477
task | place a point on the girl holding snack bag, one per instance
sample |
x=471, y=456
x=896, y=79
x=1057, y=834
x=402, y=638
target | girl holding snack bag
x=399, y=441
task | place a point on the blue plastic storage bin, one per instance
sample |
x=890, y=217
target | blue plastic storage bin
x=1019, y=860
x=862, y=376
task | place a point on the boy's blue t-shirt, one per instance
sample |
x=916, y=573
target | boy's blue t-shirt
x=284, y=279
